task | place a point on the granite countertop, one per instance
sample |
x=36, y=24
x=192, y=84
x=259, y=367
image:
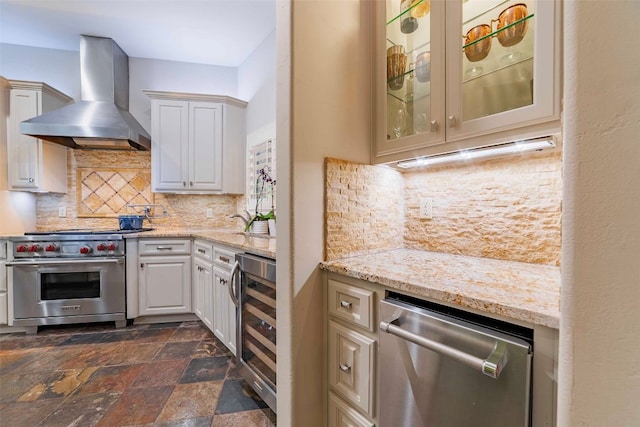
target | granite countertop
x=514, y=290
x=263, y=246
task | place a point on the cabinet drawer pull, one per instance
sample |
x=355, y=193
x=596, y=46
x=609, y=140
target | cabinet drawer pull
x=344, y=367
x=345, y=304
x=184, y=183
x=190, y=183
x=224, y=259
x=164, y=248
x=202, y=251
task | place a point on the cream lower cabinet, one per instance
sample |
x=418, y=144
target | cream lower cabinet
x=164, y=276
x=4, y=298
x=34, y=164
x=203, y=282
x=352, y=346
x=224, y=310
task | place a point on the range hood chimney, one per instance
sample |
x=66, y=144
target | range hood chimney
x=101, y=119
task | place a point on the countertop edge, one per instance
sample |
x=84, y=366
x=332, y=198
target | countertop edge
x=486, y=305
x=222, y=237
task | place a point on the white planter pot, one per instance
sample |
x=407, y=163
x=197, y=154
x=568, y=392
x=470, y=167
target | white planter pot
x=259, y=227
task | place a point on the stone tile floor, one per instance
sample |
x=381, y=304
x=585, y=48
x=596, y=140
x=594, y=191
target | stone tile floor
x=168, y=375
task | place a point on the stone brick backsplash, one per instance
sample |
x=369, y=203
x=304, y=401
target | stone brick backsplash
x=364, y=209
x=508, y=208
x=185, y=211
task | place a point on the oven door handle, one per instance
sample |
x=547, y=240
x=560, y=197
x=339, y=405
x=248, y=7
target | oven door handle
x=64, y=262
x=232, y=286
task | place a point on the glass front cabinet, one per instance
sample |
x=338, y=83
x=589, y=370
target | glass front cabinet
x=461, y=74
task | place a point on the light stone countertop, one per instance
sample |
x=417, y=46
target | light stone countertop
x=256, y=245
x=514, y=290
x=263, y=246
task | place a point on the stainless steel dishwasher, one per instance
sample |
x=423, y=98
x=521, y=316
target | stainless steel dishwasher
x=442, y=367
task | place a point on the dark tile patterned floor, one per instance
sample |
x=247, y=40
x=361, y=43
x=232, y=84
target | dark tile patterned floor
x=168, y=375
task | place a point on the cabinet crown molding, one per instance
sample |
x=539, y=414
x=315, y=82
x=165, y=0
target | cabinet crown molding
x=184, y=96
x=39, y=86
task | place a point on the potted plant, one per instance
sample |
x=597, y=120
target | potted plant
x=258, y=223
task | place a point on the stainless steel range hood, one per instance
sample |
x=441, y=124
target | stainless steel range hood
x=101, y=119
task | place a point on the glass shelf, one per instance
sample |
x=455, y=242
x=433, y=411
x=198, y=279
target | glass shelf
x=494, y=33
x=413, y=6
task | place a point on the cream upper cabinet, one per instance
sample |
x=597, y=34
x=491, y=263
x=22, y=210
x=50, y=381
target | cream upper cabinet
x=34, y=164
x=455, y=75
x=198, y=143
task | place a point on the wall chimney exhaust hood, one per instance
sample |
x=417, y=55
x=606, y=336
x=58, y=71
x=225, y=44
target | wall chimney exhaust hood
x=101, y=119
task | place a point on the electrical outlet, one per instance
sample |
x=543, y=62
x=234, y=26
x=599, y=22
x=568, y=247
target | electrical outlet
x=426, y=208
x=62, y=212
x=209, y=213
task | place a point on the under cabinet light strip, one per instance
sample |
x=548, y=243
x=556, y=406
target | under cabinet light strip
x=479, y=153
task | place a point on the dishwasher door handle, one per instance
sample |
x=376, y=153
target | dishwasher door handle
x=491, y=366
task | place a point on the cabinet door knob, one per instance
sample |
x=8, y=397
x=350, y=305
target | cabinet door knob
x=434, y=126
x=30, y=179
x=184, y=183
x=344, y=367
x=190, y=183
x=345, y=304
x=141, y=265
x=452, y=121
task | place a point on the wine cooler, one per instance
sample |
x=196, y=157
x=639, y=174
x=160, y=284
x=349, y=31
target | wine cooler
x=253, y=290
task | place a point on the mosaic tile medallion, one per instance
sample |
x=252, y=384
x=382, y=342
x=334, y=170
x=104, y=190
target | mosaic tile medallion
x=105, y=192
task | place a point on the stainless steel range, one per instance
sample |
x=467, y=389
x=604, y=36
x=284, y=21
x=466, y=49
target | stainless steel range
x=71, y=276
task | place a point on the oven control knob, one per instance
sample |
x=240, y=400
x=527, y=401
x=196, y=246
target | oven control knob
x=51, y=248
x=34, y=248
x=21, y=248
x=112, y=246
x=85, y=250
x=101, y=247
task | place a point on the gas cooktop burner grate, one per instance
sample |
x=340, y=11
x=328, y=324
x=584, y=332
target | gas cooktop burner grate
x=85, y=231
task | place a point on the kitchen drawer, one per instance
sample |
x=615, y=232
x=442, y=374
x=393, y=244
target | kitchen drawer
x=351, y=303
x=341, y=414
x=352, y=366
x=164, y=247
x=203, y=249
x=224, y=258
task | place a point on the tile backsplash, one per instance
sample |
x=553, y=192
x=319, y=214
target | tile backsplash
x=364, y=209
x=184, y=211
x=508, y=208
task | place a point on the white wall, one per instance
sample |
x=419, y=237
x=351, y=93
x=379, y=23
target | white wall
x=61, y=70
x=171, y=76
x=599, y=370
x=257, y=85
x=57, y=68
x=323, y=53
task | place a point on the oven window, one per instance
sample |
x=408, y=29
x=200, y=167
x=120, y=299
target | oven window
x=73, y=285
